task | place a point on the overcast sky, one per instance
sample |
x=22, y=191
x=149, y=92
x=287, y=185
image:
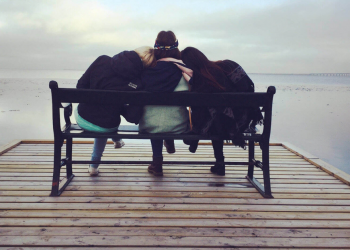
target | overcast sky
x=264, y=36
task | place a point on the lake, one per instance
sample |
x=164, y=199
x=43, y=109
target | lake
x=311, y=112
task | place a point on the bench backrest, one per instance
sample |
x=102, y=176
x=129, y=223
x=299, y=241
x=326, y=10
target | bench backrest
x=257, y=99
x=69, y=95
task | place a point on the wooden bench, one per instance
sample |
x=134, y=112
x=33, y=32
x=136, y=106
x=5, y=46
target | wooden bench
x=64, y=97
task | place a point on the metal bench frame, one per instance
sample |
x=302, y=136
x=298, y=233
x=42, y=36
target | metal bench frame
x=64, y=97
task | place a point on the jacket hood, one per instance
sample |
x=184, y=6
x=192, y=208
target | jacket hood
x=164, y=77
x=127, y=64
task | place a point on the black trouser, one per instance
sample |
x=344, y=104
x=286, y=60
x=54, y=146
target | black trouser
x=218, y=146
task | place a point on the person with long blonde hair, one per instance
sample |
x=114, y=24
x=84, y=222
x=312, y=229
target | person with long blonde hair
x=121, y=72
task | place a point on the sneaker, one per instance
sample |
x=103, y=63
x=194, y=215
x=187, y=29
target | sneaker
x=93, y=171
x=119, y=144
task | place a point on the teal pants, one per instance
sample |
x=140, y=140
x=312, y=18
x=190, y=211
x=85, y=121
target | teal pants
x=99, y=143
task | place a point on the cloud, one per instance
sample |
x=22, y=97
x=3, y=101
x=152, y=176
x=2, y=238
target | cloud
x=270, y=36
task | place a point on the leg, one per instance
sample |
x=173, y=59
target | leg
x=218, y=147
x=219, y=167
x=99, y=147
x=170, y=146
x=156, y=167
x=193, y=145
x=157, y=148
x=118, y=143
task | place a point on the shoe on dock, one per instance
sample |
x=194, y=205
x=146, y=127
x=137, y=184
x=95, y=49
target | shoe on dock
x=93, y=171
x=170, y=146
x=119, y=144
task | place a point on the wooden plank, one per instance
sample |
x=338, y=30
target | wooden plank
x=328, y=168
x=273, y=164
x=298, y=151
x=175, y=231
x=68, y=213
x=235, y=175
x=7, y=147
x=176, y=207
x=155, y=241
x=142, y=194
x=160, y=248
x=281, y=187
x=171, y=200
x=209, y=181
x=27, y=160
x=175, y=173
x=170, y=173
x=140, y=222
x=174, y=188
x=333, y=171
x=297, y=169
x=151, y=248
x=89, y=141
x=134, y=188
x=187, y=203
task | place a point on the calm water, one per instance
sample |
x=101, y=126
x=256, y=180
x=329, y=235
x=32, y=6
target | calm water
x=311, y=112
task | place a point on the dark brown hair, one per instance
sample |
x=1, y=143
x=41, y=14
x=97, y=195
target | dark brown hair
x=199, y=63
x=166, y=38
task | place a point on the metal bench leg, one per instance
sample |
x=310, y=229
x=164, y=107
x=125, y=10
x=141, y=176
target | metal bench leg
x=69, y=145
x=56, y=168
x=264, y=165
x=266, y=171
x=251, y=148
x=70, y=175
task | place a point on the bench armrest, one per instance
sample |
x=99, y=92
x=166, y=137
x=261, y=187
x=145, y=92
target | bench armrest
x=68, y=110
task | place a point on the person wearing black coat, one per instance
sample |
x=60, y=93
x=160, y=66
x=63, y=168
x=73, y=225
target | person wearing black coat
x=216, y=77
x=122, y=73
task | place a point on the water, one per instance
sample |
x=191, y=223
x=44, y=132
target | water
x=311, y=112
x=42, y=74
x=293, y=80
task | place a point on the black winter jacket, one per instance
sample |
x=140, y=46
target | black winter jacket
x=164, y=77
x=122, y=72
x=225, y=121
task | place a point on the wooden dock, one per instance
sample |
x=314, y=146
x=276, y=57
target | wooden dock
x=189, y=208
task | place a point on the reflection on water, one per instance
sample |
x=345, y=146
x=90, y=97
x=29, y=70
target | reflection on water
x=314, y=118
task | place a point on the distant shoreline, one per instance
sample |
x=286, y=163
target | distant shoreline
x=83, y=70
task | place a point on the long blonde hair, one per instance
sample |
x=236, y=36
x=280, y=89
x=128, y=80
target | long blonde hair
x=146, y=54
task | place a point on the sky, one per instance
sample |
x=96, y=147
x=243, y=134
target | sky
x=263, y=36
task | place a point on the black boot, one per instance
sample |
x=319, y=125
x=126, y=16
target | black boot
x=219, y=167
x=193, y=145
x=156, y=167
x=170, y=146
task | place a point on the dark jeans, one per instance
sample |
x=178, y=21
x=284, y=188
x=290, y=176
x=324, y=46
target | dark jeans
x=218, y=147
x=157, y=147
